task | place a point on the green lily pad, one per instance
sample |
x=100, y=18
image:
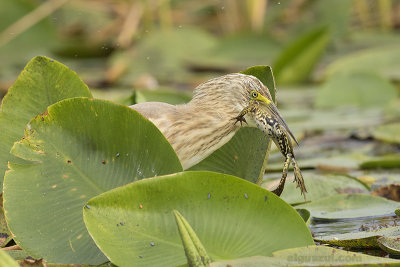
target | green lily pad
x=356, y=89
x=43, y=82
x=386, y=162
x=305, y=214
x=321, y=186
x=296, y=62
x=390, y=244
x=388, y=133
x=135, y=225
x=7, y=260
x=17, y=254
x=78, y=149
x=246, y=154
x=391, y=112
x=383, y=59
x=310, y=256
x=5, y=234
x=363, y=239
x=350, y=206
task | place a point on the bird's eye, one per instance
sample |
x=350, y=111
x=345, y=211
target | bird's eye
x=254, y=94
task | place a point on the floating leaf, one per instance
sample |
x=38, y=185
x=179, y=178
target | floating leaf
x=245, y=155
x=310, y=256
x=5, y=235
x=6, y=260
x=350, y=206
x=386, y=162
x=360, y=89
x=390, y=244
x=42, y=83
x=305, y=214
x=363, y=239
x=296, y=62
x=78, y=149
x=384, y=60
x=388, y=133
x=321, y=186
x=135, y=225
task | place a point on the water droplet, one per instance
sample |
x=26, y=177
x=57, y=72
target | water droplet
x=209, y=195
x=152, y=244
x=245, y=195
x=117, y=155
x=87, y=206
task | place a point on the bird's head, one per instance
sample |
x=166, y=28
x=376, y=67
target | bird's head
x=233, y=91
x=228, y=95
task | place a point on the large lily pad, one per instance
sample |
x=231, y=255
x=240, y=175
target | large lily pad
x=387, y=161
x=356, y=89
x=382, y=59
x=321, y=186
x=6, y=260
x=350, y=206
x=310, y=256
x=78, y=149
x=245, y=155
x=43, y=82
x=389, y=133
x=135, y=225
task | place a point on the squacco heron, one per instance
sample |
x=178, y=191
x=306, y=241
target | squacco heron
x=210, y=120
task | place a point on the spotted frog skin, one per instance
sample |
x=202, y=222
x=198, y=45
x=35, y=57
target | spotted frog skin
x=271, y=127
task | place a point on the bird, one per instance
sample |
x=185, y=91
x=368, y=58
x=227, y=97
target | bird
x=198, y=128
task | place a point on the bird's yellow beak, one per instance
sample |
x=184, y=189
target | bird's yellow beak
x=262, y=98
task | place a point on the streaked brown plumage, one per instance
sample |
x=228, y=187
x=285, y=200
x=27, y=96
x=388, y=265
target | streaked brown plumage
x=208, y=121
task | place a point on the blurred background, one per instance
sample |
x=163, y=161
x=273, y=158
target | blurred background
x=336, y=64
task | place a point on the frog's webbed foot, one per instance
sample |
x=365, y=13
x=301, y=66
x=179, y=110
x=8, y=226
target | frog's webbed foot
x=298, y=178
x=241, y=115
x=241, y=119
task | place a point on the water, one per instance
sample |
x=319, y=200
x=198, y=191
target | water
x=323, y=227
